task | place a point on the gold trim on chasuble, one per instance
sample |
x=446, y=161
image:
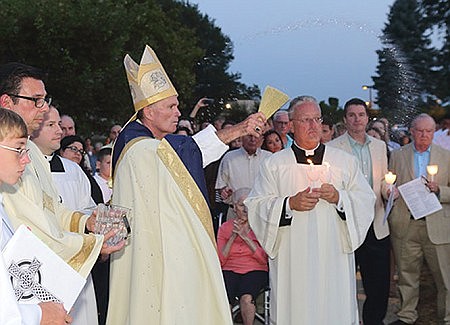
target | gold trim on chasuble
x=75, y=221
x=77, y=261
x=124, y=150
x=187, y=185
x=47, y=202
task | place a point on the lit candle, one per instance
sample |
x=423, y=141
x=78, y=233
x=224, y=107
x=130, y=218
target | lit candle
x=312, y=172
x=327, y=176
x=390, y=179
x=432, y=170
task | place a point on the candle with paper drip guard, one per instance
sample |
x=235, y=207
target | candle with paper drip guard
x=325, y=173
x=390, y=179
x=432, y=170
x=312, y=173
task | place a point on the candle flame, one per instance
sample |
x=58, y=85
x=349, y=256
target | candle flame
x=432, y=169
x=390, y=178
x=309, y=161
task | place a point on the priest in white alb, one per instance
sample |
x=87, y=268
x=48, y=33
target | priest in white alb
x=309, y=209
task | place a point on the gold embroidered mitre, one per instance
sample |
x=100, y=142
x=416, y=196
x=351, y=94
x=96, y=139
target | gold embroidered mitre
x=148, y=81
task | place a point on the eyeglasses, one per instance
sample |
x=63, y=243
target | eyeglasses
x=75, y=149
x=38, y=102
x=21, y=152
x=307, y=120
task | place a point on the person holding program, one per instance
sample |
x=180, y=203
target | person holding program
x=13, y=159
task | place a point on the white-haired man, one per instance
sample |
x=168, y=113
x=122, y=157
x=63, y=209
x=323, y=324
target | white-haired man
x=282, y=125
x=308, y=210
x=414, y=240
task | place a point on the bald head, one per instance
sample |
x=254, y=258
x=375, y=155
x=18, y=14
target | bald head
x=114, y=132
x=67, y=125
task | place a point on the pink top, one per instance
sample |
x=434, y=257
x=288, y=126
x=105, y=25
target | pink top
x=240, y=259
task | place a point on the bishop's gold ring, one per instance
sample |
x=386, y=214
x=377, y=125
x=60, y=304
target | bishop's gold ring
x=257, y=129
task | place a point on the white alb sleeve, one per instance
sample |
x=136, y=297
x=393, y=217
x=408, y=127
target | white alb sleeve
x=210, y=145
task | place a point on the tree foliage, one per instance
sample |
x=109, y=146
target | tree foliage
x=436, y=16
x=331, y=110
x=413, y=72
x=82, y=43
x=404, y=63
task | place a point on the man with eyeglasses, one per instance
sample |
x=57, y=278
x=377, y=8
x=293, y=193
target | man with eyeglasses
x=308, y=210
x=373, y=256
x=282, y=125
x=427, y=238
x=31, y=104
x=13, y=159
x=34, y=201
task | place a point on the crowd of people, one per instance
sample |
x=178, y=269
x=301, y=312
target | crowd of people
x=220, y=211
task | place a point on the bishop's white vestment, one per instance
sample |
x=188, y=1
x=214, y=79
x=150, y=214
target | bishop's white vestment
x=311, y=264
x=169, y=273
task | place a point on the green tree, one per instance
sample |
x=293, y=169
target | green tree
x=404, y=64
x=332, y=110
x=81, y=44
x=213, y=80
x=436, y=16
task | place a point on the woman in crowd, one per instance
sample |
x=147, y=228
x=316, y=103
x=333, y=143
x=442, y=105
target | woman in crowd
x=272, y=141
x=72, y=148
x=243, y=260
x=375, y=133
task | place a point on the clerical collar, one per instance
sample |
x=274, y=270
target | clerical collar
x=56, y=165
x=48, y=158
x=309, y=152
x=307, y=156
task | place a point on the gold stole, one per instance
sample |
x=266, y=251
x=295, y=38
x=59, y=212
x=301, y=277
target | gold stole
x=184, y=180
x=187, y=185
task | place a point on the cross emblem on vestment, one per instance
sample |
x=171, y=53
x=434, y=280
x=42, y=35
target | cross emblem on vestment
x=26, y=281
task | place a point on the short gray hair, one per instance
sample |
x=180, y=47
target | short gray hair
x=298, y=101
x=421, y=117
x=239, y=193
x=279, y=113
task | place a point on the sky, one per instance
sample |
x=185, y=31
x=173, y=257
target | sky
x=323, y=48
